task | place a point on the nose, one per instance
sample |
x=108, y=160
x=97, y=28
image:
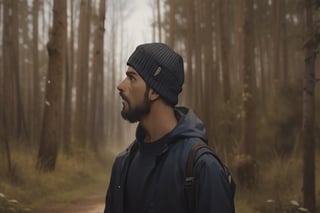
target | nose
x=120, y=86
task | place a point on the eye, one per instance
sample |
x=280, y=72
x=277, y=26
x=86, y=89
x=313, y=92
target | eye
x=131, y=77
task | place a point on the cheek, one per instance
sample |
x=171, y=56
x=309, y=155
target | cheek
x=136, y=97
x=139, y=97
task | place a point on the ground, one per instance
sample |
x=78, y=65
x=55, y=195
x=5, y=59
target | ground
x=92, y=204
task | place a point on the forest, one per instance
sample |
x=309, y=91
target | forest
x=251, y=74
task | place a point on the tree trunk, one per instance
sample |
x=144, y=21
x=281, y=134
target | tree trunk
x=284, y=41
x=67, y=118
x=51, y=131
x=225, y=47
x=25, y=71
x=209, y=108
x=308, y=112
x=172, y=23
x=159, y=20
x=237, y=57
x=11, y=69
x=190, y=53
x=4, y=139
x=96, y=80
x=262, y=74
x=21, y=75
x=198, y=59
x=36, y=78
x=277, y=8
x=4, y=89
x=82, y=74
x=248, y=139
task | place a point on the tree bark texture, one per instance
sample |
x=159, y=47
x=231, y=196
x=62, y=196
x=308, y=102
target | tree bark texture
x=82, y=74
x=309, y=112
x=96, y=127
x=248, y=140
x=36, y=76
x=51, y=129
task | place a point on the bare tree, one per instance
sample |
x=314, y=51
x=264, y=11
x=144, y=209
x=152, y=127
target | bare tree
x=12, y=94
x=82, y=73
x=197, y=79
x=51, y=129
x=159, y=20
x=96, y=111
x=284, y=41
x=172, y=23
x=190, y=43
x=277, y=8
x=309, y=111
x=25, y=70
x=12, y=110
x=7, y=103
x=248, y=139
x=67, y=117
x=225, y=48
x=36, y=76
x=210, y=107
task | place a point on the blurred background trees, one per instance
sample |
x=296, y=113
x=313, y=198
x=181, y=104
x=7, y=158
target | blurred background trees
x=251, y=75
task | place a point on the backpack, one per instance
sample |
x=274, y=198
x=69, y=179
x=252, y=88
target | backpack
x=189, y=180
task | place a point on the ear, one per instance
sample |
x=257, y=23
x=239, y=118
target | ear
x=153, y=95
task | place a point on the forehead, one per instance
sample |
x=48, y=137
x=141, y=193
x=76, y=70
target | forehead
x=132, y=70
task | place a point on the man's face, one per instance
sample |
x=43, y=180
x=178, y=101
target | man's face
x=134, y=94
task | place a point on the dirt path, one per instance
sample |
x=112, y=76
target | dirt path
x=92, y=204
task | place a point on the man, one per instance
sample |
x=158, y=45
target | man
x=149, y=176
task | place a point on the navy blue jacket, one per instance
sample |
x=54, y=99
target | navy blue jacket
x=212, y=190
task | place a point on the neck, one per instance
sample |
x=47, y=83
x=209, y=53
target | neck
x=159, y=122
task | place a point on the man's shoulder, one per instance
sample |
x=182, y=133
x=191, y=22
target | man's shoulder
x=186, y=143
x=182, y=146
x=201, y=155
x=122, y=157
x=126, y=151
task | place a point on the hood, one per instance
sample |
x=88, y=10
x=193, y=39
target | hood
x=189, y=126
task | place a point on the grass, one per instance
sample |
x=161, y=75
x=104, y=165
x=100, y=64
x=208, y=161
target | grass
x=279, y=187
x=279, y=182
x=74, y=177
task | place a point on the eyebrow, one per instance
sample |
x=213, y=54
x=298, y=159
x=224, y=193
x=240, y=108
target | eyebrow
x=131, y=73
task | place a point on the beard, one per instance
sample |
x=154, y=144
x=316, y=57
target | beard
x=134, y=114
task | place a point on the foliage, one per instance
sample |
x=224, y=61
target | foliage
x=278, y=189
x=316, y=4
x=228, y=121
x=276, y=206
x=74, y=177
x=11, y=205
x=280, y=126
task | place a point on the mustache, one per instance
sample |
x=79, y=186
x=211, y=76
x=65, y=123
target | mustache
x=123, y=97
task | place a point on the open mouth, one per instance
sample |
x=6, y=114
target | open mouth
x=124, y=98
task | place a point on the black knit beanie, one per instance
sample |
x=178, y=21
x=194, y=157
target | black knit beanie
x=161, y=68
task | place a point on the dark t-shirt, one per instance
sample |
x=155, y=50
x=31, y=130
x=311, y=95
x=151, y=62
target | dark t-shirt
x=138, y=190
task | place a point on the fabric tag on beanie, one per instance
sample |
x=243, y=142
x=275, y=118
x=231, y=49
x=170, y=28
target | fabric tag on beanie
x=157, y=72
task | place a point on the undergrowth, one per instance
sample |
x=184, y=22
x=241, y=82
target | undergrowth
x=279, y=187
x=27, y=189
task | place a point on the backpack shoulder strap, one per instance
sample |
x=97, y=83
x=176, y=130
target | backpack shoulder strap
x=189, y=179
x=189, y=190
x=191, y=157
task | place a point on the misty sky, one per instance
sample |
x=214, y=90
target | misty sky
x=139, y=21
